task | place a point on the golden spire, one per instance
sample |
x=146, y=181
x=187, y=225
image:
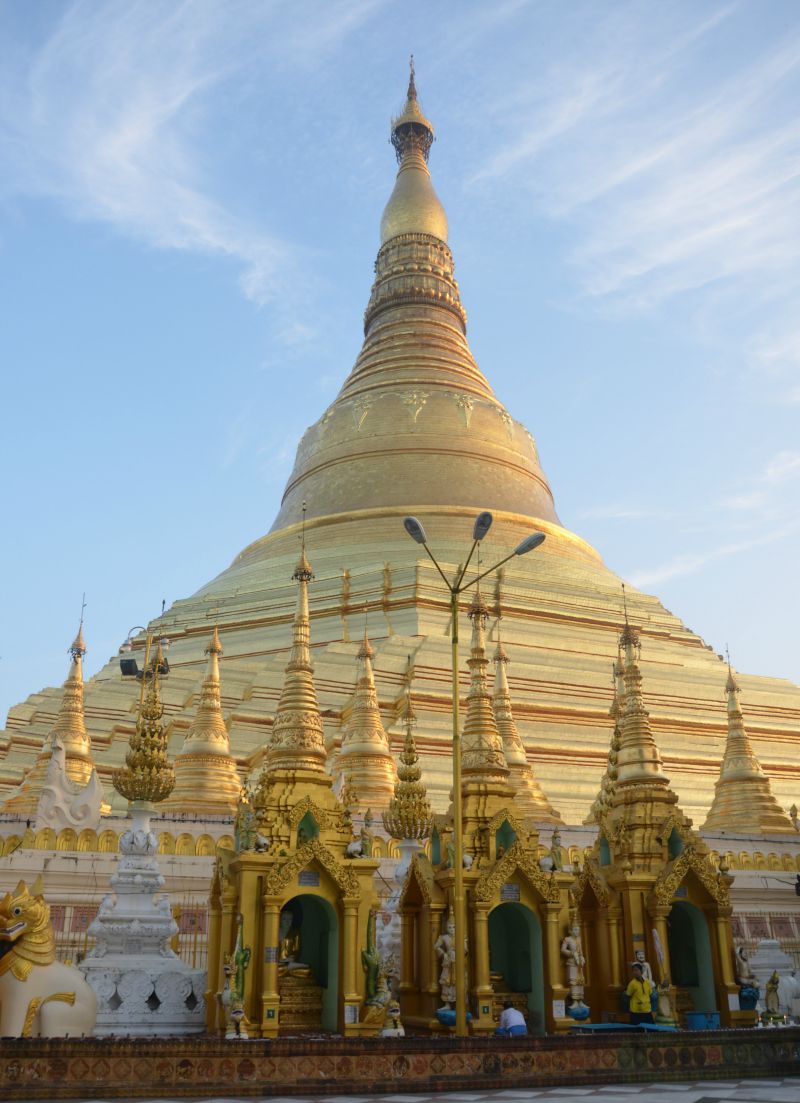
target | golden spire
x=608, y=782
x=638, y=760
x=413, y=207
x=148, y=774
x=409, y=814
x=482, y=756
x=206, y=778
x=528, y=796
x=297, y=737
x=70, y=729
x=743, y=798
x=365, y=761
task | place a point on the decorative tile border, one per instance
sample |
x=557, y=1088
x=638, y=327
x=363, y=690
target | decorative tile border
x=191, y=1068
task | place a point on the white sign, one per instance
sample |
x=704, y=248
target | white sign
x=733, y=1002
x=351, y=1013
x=559, y=1009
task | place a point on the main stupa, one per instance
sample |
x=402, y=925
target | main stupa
x=416, y=428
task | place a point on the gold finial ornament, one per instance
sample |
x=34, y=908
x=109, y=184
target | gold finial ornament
x=147, y=775
x=413, y=207
x=409, y=814
x=638, y=759
x=483, y=758
x=743, y=799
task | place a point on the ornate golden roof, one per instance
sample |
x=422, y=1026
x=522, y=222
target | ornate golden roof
x=743, y=800
x=482, y=756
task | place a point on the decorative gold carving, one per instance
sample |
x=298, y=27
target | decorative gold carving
x=518, y=857
x=278, y=878
x=409, y=814
x=147, y=774
x=414, y=401
x=38, y=1002
x=591, y=875
x=667, y=884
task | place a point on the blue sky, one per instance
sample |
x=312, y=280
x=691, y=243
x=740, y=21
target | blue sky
x=189, y=205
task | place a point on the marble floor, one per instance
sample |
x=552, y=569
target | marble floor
x=708, y=1091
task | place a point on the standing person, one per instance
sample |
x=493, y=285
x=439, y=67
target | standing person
x=638, y=993
x=512, y=1022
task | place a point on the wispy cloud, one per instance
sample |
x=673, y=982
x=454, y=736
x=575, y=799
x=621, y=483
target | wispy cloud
x=106, y=116
x=674, y=169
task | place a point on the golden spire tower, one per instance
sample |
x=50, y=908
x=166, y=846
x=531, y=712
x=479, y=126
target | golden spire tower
x=608, y=782
x=743, y=800
x=297, y=743
x=206, y=778
x=528, y=795
x=70, y=729
x=483, y=759
x=638, y=761
x=147, y=776
x=409, y=814
x=365, y=761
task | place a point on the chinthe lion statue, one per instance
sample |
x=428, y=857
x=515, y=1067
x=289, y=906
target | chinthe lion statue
x=39, y=996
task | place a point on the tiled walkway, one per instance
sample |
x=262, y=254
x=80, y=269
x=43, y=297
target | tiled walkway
x=709, y=1091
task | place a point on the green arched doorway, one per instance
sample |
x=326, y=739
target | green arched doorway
x=319, y=949
x=690, y=955
x=515, y=950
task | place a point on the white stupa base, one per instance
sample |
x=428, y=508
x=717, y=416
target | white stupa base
x=143, y=988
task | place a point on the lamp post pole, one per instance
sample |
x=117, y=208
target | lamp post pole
x=483, y=523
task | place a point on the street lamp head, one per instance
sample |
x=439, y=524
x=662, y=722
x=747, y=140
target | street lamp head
x=415, y=530
x=483, y=522
x=529, y=543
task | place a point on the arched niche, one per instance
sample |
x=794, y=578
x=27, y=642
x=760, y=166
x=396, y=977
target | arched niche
x=166, y=843
x=67, y=839
x=205, y=847
x=515, y=952
x=603, y=852
x=690, y=954
x=675, y=844
x=318, y=924
x=504, y=838
x=108, y=842
x=88, y=842
x=307, y=829
x=184, y=845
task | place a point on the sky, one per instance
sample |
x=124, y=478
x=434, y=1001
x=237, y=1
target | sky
x=190, y=194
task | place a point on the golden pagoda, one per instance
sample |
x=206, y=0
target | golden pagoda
x=409, y=815
x=365, y=763
x=70, y=729
x=206, y=779
x=417, y=428
x=608, y=782
x=528, y=795
x=650, y=884
x=743, y=800
x=298, y=891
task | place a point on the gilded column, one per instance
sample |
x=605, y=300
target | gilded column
x=612, y=918
x=409, y=970
x=228, y=921
x=555, y=990
x=350, y=946
x=270, y=996
x=214, y=965
x=659, y=916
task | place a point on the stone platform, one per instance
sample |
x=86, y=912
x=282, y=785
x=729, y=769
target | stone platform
x=201, y=1067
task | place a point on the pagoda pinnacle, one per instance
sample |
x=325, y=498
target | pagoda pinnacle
x=743, y=798
x=409, y=814
x=413, y=207
x=608, y=782
x=365, y=762
x=528, y=796
x=69, y=730
x=206, y=778
x=483, y=760
x=297, y=738
x=638, y=761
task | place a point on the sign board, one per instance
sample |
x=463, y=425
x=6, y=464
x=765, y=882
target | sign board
x=733, y=1001
x=308, y=878
x=509, y=891
x=559, y=1009
x=638, y=938
x=270, y=955
x=351, y=1013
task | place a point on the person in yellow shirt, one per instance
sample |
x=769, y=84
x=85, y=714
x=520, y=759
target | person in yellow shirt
x=638, y=993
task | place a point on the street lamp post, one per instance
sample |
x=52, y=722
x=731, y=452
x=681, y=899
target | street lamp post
x=483, y=522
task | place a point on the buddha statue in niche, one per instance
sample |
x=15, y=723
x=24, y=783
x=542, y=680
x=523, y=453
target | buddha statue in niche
x=289, y=947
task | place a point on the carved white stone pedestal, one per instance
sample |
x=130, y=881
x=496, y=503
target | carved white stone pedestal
x=142, y=986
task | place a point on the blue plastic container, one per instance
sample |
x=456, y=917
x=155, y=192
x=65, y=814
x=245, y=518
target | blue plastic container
x=702, y=1020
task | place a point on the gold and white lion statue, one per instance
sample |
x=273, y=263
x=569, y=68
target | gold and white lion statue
x=39, y=996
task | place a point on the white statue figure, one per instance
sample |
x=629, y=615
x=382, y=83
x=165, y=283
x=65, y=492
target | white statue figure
x=744, y=973
x=445, y=947
x=572, y=952
x=647, y=972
